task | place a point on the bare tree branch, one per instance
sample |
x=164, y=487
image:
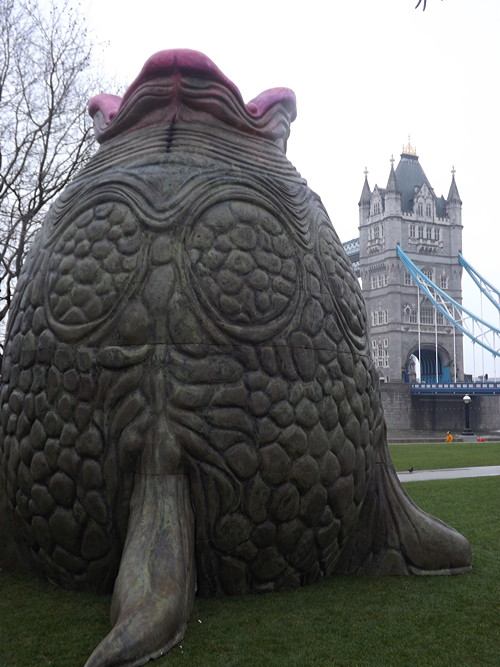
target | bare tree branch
x=46, y=79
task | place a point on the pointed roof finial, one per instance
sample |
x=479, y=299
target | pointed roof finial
x=409, y=149
x=366, y=192
x=453, y=193
x=392, y=183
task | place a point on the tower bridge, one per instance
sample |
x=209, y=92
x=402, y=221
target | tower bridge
x=409, y=260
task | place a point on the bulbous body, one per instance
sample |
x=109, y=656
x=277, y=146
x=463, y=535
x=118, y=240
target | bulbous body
x=188, y=313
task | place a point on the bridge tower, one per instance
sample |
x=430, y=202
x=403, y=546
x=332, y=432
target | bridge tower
x=429, y=229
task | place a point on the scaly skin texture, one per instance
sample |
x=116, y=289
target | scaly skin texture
x=187, y=326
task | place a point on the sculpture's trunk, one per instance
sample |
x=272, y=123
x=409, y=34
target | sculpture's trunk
x=154, y=590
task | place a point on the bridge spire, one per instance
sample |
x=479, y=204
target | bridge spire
x=366, y=193
x=392, y=183
x=453, y=196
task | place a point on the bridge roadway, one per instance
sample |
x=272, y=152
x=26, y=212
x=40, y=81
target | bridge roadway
x=455, y=388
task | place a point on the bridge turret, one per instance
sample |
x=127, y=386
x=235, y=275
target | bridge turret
x=454, y=203
x=392, y=194
x=364, y=202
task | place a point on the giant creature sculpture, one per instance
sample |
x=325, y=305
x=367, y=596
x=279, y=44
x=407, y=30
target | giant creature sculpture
x=188, y=398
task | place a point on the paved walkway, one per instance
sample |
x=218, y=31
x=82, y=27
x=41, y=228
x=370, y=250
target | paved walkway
x=448, y=473
x=396, y=437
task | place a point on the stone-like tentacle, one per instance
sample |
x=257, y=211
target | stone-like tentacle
x=154, y=590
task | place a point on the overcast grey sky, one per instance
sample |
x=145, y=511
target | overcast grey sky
x=366, y=73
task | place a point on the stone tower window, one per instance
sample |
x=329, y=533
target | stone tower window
x=409, y=314
x=378, y=280
x=379, y=317
x=374, y=232
x=427, y=315
x=428, y=271
x=380, y=353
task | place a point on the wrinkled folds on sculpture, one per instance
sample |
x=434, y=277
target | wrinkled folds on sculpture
x=181, y=86
x=188, y=396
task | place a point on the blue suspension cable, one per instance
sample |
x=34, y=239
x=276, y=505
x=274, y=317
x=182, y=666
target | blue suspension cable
x=486, y=287
x=442, y=301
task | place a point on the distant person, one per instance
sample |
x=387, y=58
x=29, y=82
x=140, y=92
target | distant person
x=449, y=437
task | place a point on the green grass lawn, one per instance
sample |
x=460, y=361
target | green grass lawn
x=346, y=621
x=441, y=455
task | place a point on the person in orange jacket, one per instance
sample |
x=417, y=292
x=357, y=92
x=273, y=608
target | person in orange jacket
x=449, y=437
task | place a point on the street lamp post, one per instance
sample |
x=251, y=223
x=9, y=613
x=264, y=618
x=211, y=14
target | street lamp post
x=467, y=399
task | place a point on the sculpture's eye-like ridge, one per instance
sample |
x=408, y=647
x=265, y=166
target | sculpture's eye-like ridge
x=92, y=264
x=244, y=263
